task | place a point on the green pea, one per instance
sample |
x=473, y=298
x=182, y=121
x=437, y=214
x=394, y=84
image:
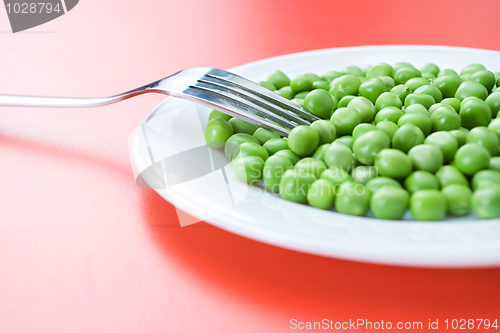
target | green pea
x=421, y=120
x=393, y=163
x=458, y=198
x=344, y=101
x=217, y=132
x=453, y=102
x=301, y=95
x=449, y=174
x=274, y=145
x=248, y=168
x=288, y=153
x=321, y=84
x=321, y=194
x=400, y=65
x=294, y=185
x=299, y=102
x=353, y=70
x=365, y=108
x=418, y=108
x=447, y=71
x=339, y=156
x=251, y=149
x=401, y=91
x=448, y=84
x=432, y=91
x=301, y=83
x=388, y=127
x=320, y=103
x=426, y=157
x=361, y=129
x=485, y=137
x=345, y=119
x=421, y=180
x=303, y=140
x=268, y=85
x=471, y=88
x=389, y=203
x=471, y=157
x=460, y=135
x=319, y=153
x=380, y=69
x=372, y=89
x=446, y=142
x=352, y=198
x=416, y=82
x=374, y=184
x=388, y=81
x=428, y=205
x=427, y=75
x=241, y=126
x=326, y=131
x=346, y=85
x=485, y=178
x=444, y=118
x=495, y=163
x=485, y=77
x=369, y=144
x=336, y=175
x=218, y=114
x=389, y=113
x=493, y=101
x=404, y=74
x=470, y=69
x=474, y=112
x=232, y=144
x=387, y=99
x=485, y=202
x=407, y=137
x=285, y=92
x=363, y=173
x=345, y=140
x=329, y=76
x=425, y=100
x=274, y=168
x=311, y=165
x=264, y=135
x=430, y=68
x=279, y=79
x=313, y=76
x=495, y=126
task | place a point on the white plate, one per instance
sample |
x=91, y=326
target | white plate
x=175, y=126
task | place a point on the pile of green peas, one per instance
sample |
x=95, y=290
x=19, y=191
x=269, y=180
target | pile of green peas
x=390, y=138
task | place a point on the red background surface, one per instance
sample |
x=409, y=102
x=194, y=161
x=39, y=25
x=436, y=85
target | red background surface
x=83, y=249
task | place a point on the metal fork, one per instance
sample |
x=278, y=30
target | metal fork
x=215, y=88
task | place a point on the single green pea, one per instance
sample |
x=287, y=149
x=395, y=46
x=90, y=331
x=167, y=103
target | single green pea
x=460, y=135
x=241, y=126
x=495, y=126
x=399, y=65
x=251, y=149
x=353, y=70
x=426, y=157
x=444, y=118
x=407, y=137
x=231, y=147
x=344, y=101
x=319, y=103
x=278, y=79
x=471, y=88
x=363, y=173
x=374, y=184
x=401, y=91
x=329, y=76
x=495, y=163
x=345, y=119
x=416, y=82
x=485, y=137
x=428, y=76
x=472, y=68
x=274, y=168
x=345, y=140
x=421, y=120
x=218, y=114
x=288, y=153
x=389, y=203
x=352, y=198
x=387, y=99
x=264, y=135
x=446, y=142
x=321, y=194
x=274, y=145
x=458, y=198
x=418, y=108
x=485, y=202
x=388, y=81
x=303, y=140
x=294, y=185
x=430, y=68
x=268, y=85
x=372, y=89
x=336, y=175
x=299, y=102
x=474, y=112
x=361, y=129
x=321, y=84
x=311, y=165
x=380, y=69
x=301, y=83
x=453, y=102
x=493, y=101
x=485, y=178
x=428, y=205
x=471, y=157
x=248, y=168
x=285, y=92
x=432, y=91
x=346, y=85
x=389, y=113
x=404, y=74
x=448, y=71
x=326, y=131
x=448, y=84
x=421, y=180
x=369, y=144
x=393, y=163
x=301, y=95
x=319, y=153
x=425, y=100
x=485, y=77
x=388, y=127
x=217, y=132
x=365, y=108
x=449, y=174
x=339, y=156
